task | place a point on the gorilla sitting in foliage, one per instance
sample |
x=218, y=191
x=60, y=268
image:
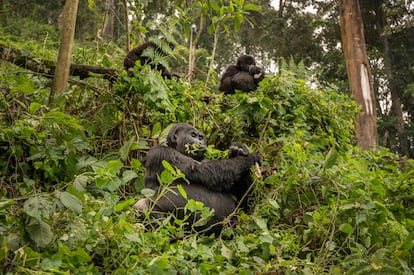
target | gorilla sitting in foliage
x=219, y=184
x=138, y=54
x=244, y=76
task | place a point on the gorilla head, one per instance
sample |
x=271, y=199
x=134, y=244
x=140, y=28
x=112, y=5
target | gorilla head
x=187, y=140
x=245, y=62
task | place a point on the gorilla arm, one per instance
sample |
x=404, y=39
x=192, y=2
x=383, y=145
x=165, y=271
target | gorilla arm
x=216, y=175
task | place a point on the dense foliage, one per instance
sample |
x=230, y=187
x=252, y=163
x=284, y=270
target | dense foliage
x=69, y=176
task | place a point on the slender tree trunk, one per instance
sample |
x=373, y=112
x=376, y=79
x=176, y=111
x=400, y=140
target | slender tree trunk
x=108, y=28
x=213, y=54
x=359, y=72
x=65, y=51
x=193, y=47
x=396, y=107
x=128, y=43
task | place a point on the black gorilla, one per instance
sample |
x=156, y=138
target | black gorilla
x=136, y=54
x=244, y=76
x=219, y=184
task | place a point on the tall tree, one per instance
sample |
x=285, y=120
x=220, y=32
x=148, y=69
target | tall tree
x=359, y=72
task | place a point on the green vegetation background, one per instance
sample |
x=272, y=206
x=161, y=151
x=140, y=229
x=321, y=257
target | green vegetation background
x=69, y=176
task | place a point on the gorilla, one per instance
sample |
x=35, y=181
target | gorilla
x=244, y=76
x=219, y=184
x=136, y=54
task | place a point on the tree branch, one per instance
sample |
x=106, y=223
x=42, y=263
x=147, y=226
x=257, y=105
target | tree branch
x=47, y=67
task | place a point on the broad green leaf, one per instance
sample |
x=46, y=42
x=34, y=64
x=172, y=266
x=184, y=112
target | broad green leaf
x=82, y=256
x=261, y=223
x=166, y=178
x=85, y=162
x=71, y=202
x=133, y=237
x=266, y=238
x=51, y=264
x=147, y=192
x=80, y=183
x=112, y=184
x=37, y=207
x=128, y=175
x=346, y=228
x=136, y=164
x=114, y=166
x=40, y=232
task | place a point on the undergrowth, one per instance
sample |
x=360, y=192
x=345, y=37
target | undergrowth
x=70, y=175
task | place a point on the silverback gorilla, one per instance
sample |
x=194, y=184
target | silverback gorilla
x=136, y=54
x=244, y=76
x=219, y=184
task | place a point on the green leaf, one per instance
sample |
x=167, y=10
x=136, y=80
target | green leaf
x=128, y=175
x=251, y=7
x=40, y=232
x=226, y=252
x=136, y=164
x=37, y=207
x=346, y=228
x=261, y=223
x=80, y=183
x=182, y=191
x=133, y=237
x=112, y=184
x=166, y=178
x=34, y=106
x=126, y=204
x=85, y=162
x=71, y=202
x=147, y=192
x=114, y=166
x=331, y=158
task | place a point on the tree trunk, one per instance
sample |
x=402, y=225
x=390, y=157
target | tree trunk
x=359, y=72
x=65, y=51
x=108, y=27
x=396, y=107
x=128, y=43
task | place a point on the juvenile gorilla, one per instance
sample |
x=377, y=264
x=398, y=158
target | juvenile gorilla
x=136, y=54
x=244, y=76
x=213, y=182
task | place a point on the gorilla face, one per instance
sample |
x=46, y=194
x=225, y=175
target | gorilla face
x=187, y=140
x=245, y=62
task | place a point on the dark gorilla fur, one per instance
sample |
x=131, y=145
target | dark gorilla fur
x=136, y=54
x=219, y=184
x=244, y=76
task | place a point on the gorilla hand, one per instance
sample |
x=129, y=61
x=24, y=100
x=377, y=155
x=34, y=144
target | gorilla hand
x=238, y=149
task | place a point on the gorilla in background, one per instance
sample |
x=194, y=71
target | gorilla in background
x=219, y=184
x=136, y=54
x=244, y=76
